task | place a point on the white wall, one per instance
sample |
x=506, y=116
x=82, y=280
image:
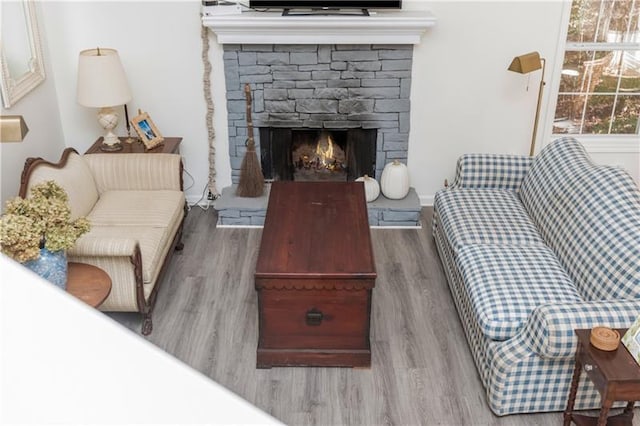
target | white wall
x=160, y=48
x=63, y=362
x=464, y=99
x=45, y=139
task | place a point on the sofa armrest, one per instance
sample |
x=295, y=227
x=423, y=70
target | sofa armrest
x=121, y=259
x=136, y=172
x=491, y=171
x=549, y=332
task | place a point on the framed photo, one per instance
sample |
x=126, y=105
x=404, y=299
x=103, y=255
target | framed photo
x=631, y=340
x=147, y=131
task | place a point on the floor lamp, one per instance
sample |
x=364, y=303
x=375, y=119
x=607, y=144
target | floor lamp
x=524, y=64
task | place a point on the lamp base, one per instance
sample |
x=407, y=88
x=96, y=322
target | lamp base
x=108, y=118
x=111, y=147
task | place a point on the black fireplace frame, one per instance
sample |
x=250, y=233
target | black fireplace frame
x=276, y=144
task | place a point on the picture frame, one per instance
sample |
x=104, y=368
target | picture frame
x=147, y=130
x=631, y=340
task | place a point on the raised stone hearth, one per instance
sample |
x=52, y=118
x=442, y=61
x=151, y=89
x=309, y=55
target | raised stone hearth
x=337, y=73
x=234, y=211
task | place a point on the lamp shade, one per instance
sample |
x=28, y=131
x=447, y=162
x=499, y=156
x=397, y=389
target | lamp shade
x=101, y=79
x=524, y=64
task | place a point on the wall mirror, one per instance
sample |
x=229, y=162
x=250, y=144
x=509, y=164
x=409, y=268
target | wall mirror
x=20, y=51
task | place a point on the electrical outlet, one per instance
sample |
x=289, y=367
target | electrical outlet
x=210, y=196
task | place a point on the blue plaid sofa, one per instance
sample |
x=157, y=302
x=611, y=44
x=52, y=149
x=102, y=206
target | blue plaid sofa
x=534, y=248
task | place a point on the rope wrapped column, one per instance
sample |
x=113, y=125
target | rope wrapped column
x=206, y=79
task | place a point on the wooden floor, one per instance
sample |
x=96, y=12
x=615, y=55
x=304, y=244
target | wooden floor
x=422, y=371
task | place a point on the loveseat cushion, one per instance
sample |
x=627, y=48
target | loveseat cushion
x=138, y=208
x=150, y=217
x=590, y=216
x=484, y=216
x=76, y=179
x=506, y=283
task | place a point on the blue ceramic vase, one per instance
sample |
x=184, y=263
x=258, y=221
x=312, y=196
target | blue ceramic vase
x=52, y=266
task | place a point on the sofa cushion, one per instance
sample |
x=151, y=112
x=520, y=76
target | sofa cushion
x=590, y=216
x=505, y=284
x=138, y=208
x=76, y=179
x=484, y=216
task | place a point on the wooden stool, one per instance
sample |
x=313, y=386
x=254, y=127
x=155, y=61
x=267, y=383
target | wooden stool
x=615, y=374
x=88, y=283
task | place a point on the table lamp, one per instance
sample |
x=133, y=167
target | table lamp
x=103, y=84
x=524, y=64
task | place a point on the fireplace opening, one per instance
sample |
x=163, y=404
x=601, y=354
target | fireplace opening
x=317, y=154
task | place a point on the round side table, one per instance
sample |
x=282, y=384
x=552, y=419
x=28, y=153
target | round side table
x=88, y=283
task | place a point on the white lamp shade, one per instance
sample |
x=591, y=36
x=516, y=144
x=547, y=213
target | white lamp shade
x=101, y=79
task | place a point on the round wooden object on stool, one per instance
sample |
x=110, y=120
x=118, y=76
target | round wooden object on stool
x=605, y=338
x=88, y=283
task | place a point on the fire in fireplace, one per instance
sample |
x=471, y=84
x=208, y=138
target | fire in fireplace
x=317, y=154
x=317, y=158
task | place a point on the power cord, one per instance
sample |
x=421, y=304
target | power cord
x=205, y=196
x=184, y=169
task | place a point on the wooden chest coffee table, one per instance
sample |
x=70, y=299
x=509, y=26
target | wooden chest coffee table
x=314, y=276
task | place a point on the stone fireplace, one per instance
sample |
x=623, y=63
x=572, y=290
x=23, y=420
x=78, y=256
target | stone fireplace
x=331, y=101
x=321, y=87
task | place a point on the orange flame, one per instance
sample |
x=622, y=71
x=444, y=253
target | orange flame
x=324, y=150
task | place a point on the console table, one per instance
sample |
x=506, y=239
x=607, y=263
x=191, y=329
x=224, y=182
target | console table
x=314, y=276
x=615, y=374
x=169, y=146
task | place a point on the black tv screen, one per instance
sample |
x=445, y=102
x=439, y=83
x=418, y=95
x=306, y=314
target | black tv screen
x=313, y=4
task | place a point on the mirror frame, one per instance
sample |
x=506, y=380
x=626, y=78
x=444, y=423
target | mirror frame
x=15, y=88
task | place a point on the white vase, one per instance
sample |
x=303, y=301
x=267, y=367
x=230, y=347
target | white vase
x=394, y=182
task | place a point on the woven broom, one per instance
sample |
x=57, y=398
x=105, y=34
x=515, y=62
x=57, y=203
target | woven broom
x=251, y=178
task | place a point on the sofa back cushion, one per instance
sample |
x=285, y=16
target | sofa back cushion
x=590, y=216
x=75, y=177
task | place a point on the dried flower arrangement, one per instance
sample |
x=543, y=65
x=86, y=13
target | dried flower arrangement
x=42, y=220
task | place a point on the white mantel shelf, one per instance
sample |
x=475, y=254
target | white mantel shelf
x=397, y=27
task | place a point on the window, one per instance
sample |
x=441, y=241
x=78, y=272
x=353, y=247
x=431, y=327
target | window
x=600, y=82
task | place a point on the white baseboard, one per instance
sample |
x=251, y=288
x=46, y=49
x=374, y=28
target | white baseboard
x=240, y=226
x=426, y=200
x=419, y=226
x=194, y=198
x=372, y=227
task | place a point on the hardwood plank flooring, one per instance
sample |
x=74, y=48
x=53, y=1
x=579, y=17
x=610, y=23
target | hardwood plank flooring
x=422, y=370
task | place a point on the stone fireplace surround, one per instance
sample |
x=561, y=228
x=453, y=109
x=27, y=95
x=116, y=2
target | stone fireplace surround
x=321, y=86
x=297, y=82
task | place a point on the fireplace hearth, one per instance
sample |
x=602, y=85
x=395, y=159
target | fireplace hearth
x=320, y=112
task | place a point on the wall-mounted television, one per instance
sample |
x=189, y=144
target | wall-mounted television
x=326, y=4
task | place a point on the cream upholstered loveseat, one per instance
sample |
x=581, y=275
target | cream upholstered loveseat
x=136, y=207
